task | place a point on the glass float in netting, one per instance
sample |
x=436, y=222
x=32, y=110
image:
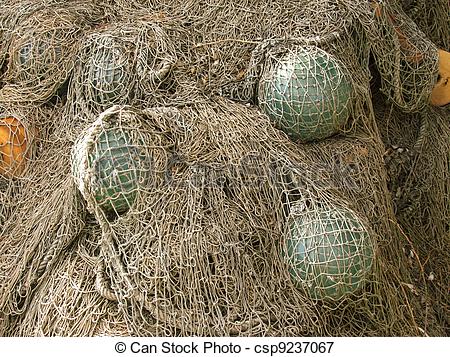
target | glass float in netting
x=328, y=250
x=107, y=71
x=109, y=166
x=306, y=92
x=15, y=146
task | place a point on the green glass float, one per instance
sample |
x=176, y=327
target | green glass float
x=116, y=168
x=107, y=72
x=38, y=56
x=307, y=93
x=329, y=252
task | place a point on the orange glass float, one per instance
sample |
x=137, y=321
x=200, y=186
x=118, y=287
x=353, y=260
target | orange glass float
x=14, y=144
x=441, y=92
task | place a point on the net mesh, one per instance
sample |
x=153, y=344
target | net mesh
x=42, y=50
x=406, y=59
x=421, y=202
x=161, y=199
x=120, y=63
x=431, y=18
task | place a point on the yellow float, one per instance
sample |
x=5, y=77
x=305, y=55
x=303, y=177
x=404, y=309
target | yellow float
x=14, y=147
x=440, y=95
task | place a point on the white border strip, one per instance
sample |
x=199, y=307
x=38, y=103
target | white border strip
x=226, y=346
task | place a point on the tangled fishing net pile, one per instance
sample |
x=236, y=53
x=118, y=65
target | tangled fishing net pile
x=279, y=171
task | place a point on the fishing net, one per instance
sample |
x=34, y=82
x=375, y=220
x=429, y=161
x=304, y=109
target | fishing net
x=210, y=268
x=120, y=63
x=431, y=18
x=171, y=212
x=12, y=12
x=71, y=292
x=18, y=136
x=421, y=201
x=42, y=49
x=417, y=160
x=28, y=250
x=405, y=58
